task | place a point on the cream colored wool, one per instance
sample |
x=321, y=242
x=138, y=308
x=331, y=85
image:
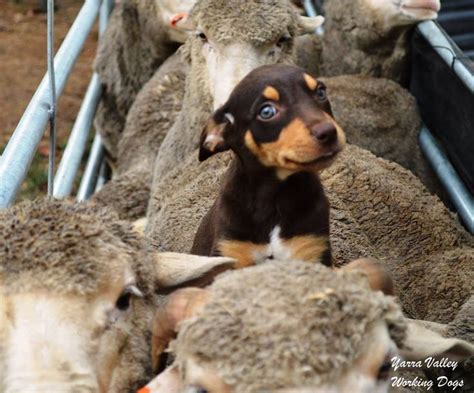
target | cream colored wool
x=275, y=317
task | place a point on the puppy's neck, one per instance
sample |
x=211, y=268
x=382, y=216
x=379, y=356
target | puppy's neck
x=253, y=178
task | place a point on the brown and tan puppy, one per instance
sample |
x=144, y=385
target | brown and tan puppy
x=279, y=124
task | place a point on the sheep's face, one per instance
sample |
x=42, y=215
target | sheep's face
x=68, y=342
x=393, y=13
x=69, y=297
x=231, y=38
x=77, y=297
x=369, y=372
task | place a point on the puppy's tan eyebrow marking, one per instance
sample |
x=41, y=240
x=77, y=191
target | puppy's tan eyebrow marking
x=310, y=81
x=271, y=93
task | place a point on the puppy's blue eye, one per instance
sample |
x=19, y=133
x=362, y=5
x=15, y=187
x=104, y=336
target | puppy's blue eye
x=267, y=112
x=321, y=93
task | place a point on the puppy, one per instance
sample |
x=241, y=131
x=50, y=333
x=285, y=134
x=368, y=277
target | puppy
x=279, y=123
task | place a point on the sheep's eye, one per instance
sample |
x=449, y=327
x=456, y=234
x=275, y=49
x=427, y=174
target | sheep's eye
x=384, y=370
x=124, y=300
x=267, y=112
x=321, y=93
x=284, y=39
x=202, y=36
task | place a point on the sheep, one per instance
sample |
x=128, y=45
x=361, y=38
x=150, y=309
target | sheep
x=387, y=123
x=232, y=39
x=138, y=39
x=291, y=326
x=152, y=113
x=78, y=290
x=378, y=209
x=369, y=37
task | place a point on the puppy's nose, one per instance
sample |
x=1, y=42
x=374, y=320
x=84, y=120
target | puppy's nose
x=325, y=133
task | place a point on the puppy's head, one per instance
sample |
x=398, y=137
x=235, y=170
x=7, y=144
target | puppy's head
x=278, y=117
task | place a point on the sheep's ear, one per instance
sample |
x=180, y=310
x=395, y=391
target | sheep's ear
x=309, y=24
x=179, y=306
x=181, y=21
x=212, y=137
x=175, y=270
x=377, y=274
x=421, y=343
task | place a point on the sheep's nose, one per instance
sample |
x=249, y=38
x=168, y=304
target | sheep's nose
x=325, y=133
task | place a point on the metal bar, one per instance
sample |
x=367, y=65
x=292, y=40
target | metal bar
x=89, y=179
x=53, y=102
x=445, y=49
x=77, y=141
x=21, y=148
x=460, y=196
x=311, y=11
x=104, y=15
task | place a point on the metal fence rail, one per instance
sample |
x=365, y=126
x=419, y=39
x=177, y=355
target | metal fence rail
x=460, y=196
x=21, y=148
x=462, y=199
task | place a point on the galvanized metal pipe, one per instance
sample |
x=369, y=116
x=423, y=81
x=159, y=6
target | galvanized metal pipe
x=311, y=11
x=458, y=193
x=53, y=102
x=92, y=180
x=21, y=148
x=444, y=48
x=91, y=173
x=77, y=142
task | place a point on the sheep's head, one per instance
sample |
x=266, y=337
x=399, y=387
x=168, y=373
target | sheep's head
x=77, y=296
x=289, y=327
x=393, y=13
x=231, y=38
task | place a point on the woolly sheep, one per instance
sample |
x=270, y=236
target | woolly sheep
x=78, y=290
x=369, y=37
x=233, y=37
x=380, y=116
x=138, y=39
x=291, y=326
x=153, y=112
x=378, y=209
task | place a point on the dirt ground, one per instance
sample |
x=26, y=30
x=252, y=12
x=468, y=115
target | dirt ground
x=23, y=65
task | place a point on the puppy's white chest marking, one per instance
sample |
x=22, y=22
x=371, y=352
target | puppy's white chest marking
x=276, y=249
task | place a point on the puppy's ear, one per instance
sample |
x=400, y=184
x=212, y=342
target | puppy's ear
x=212, y=137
